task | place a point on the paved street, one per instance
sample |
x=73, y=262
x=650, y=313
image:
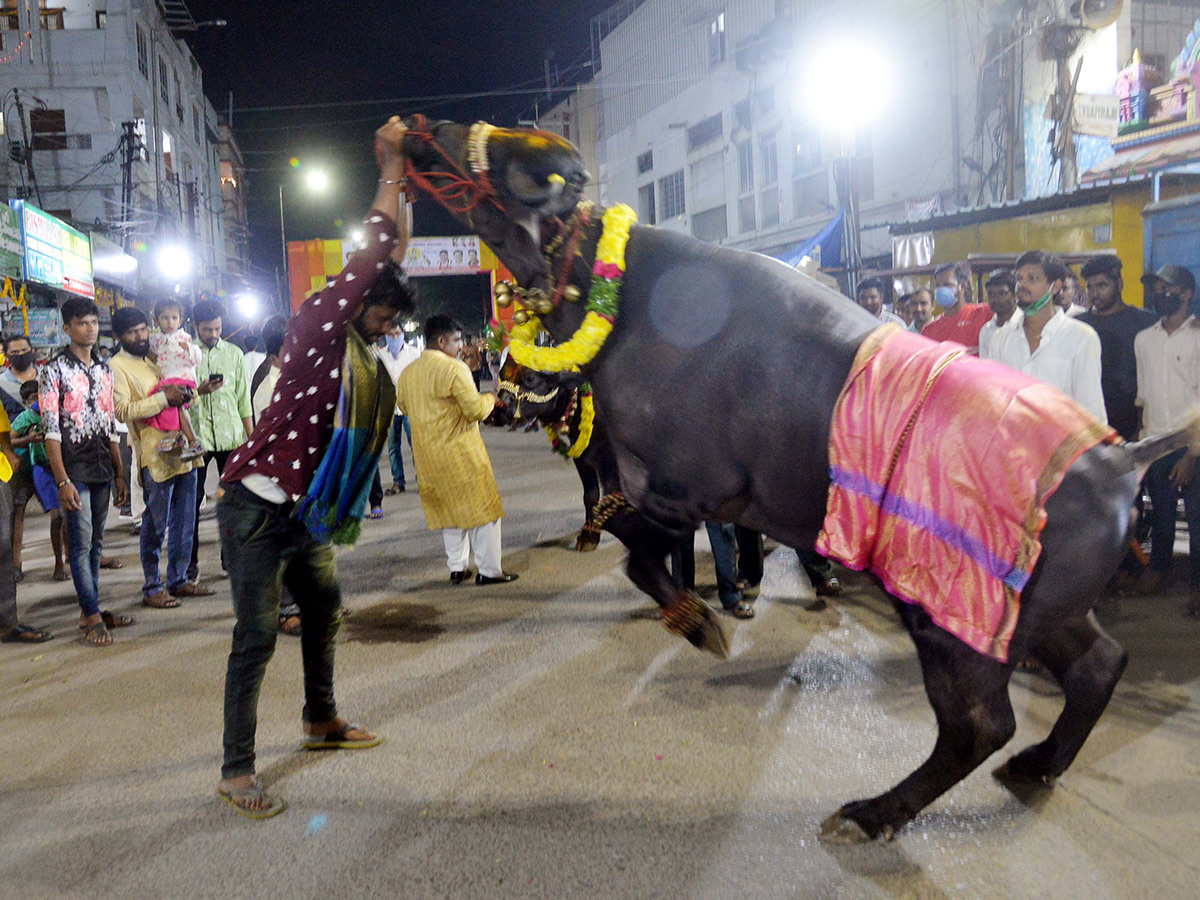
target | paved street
x=543, y=740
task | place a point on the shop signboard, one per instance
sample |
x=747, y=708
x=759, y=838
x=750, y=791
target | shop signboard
x=11, y=250
x=55, y=253
x=112, y=265
x=45, y=328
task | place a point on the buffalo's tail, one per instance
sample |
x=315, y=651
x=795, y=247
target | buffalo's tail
x=1151, y=449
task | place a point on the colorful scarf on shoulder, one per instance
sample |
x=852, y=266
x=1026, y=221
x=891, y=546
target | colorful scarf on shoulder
x=333, y=508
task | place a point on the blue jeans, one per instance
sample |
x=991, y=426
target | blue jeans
x=170, y=510
x=722, y=537
x=394, y=455
x=85, y=531
x=1164, y=498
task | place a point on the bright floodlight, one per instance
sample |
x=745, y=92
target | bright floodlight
x=316, y=180
x=175, y=262
x=247, y=305
x=846, y=83
x=356, y=237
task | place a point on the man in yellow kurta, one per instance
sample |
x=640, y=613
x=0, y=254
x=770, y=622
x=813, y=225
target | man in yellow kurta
x=458, y=487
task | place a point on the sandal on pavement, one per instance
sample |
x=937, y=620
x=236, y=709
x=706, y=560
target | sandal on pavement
x=740, y=610
x=290, y=625
x=377, y=513
x=23, y=634
x=97, y=635
x=192, y=589
x=242, y=798
x=62, y=575
x=161, y=600
x=393, y=490
x=109, y=562
x=339, y=740
x=116, y=620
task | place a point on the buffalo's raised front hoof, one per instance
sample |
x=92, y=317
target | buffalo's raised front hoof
x=691, y=618
x=840, y=828
x=587, y=541
x=1028, y=767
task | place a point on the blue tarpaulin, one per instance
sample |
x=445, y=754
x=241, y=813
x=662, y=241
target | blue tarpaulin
x=825, y=247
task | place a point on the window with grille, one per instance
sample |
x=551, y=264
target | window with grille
x=770, y=207
x=745, y=153
x=646, y=204
x=49, y=127
x=143, y=51
x=101, y=18
x=810, y=194
x=178, y=99
x=808, y=150
x=716, y=40
x=770, y=159
x=710, y=225
x=645, y=162
x=164, y=82
x=746, y=220
x=670, y=193
x=196, y=122
x=705, y=132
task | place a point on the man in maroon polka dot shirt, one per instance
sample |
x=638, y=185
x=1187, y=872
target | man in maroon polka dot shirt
x=264, y=543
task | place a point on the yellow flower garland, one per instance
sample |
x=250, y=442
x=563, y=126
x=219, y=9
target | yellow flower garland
x=587, y=419
x=583, y=346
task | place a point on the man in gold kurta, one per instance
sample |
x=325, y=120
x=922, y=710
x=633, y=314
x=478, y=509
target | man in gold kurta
x=458, y=487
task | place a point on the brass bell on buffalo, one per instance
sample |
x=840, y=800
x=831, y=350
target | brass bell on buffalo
x=542, y=305
x=503, y=292
x=520, y=317
x=572, y=293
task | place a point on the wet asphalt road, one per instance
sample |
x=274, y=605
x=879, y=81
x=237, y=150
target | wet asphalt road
x=544, y=740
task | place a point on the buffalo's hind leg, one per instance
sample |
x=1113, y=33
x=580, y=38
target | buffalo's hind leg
x=969, y=695
x=683, y=613
x=1087, y=664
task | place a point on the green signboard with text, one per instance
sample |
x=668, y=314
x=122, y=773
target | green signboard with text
x=55, y=253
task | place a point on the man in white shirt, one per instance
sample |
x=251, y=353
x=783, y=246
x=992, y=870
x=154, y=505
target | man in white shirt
x=396, y=356
x=1168, y=379
x=1001, y=293
x=1048, y=345
x=870, y=298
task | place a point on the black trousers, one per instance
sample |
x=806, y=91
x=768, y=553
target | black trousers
x=221, y=457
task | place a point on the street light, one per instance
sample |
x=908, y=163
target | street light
x=247, y=305
x=317, y=181
x=853, y=80
x=175, y=262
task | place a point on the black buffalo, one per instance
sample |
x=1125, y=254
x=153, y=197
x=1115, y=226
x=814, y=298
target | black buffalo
x=718, y=386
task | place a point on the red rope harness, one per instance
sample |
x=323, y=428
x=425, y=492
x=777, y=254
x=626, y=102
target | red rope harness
x=459, y=192
x=564, y=275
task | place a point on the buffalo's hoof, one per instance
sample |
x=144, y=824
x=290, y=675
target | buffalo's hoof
x=587, y=541
x=1024, y=768
x=693, y=619
x=840, y=829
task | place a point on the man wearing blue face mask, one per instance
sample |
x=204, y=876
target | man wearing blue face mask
x=1047, y=344
x=960, y=321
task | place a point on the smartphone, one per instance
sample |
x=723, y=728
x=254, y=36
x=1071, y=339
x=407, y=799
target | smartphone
x=216, y=376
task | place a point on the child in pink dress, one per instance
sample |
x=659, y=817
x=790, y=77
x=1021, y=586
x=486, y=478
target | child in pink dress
x=177, y=356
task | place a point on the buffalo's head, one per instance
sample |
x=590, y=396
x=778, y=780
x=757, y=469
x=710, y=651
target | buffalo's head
x=526, y=395
x=509, y=186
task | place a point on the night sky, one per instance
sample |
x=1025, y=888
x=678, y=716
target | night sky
x=274, y=54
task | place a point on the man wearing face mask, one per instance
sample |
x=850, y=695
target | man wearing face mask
x=21, y=367
x=1168, y=379
x=397, y=354
x=1048, y=345
x=960, y=321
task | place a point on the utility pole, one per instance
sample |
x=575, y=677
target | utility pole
x=546, y=63
x=28, y=147
x=129, y=143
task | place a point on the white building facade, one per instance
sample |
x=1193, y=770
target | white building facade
x=86, y=68
x=712, y=120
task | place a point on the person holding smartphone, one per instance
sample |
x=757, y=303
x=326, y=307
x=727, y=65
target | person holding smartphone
x=222, y=416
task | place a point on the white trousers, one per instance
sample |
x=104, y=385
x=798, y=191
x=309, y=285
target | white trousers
x=485, y=539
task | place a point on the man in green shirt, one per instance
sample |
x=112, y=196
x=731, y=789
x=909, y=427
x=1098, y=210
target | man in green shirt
x=221, y=413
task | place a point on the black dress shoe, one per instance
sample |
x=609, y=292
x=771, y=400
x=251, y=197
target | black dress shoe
x=501, y=579
x=459, y=577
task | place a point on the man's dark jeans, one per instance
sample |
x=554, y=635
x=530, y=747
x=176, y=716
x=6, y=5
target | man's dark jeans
x=395, y=457
x=222, y=457
x=265, y=548
x=1163, y=498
